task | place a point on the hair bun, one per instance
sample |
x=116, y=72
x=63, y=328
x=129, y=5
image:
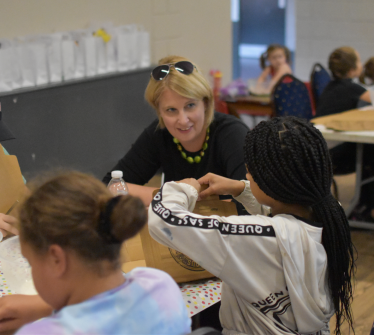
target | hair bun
x=128, y=216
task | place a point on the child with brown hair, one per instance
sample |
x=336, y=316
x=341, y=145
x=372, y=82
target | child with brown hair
x=71, y=232
x=275, y=62
x=341, y=93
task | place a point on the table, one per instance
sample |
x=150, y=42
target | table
x=197, y=295
x=5, y=288
x=252, y=105
x=358, y=137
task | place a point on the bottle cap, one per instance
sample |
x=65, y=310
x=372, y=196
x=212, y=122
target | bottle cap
x=117, y=174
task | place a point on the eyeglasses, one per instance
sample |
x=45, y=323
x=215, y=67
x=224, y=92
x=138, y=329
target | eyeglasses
x=160, y=72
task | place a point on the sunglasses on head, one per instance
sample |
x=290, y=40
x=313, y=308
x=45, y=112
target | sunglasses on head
x=160, y=72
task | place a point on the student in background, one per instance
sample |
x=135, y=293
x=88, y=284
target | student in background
x=342, y=94
x=275, y=63
x=367, y=75
x=71, y=232
x=288, y=267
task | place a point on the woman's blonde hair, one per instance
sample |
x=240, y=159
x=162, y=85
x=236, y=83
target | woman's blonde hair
x=192, y=86
x=70, y=210
x=341, y=61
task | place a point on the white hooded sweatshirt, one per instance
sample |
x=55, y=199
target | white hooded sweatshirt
x=273, y=268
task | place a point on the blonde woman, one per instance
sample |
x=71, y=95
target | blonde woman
x=189, y=139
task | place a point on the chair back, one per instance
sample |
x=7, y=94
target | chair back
x=290, y=97
x=319, y=78
x=205, y=331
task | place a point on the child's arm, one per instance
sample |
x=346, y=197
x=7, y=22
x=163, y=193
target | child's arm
x=7, y=223
x=172, y=223
x=366, y=97
x=142, y=192
x=205, y=239
x=265, y=73
x=284, y=69
x=250, y=203
x=239, y=189
x=17, y=310
x=220, y=185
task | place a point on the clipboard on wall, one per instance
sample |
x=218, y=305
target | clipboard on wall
x=12, y=187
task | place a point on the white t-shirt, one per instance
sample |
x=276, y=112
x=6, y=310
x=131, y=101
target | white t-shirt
x=273, y=268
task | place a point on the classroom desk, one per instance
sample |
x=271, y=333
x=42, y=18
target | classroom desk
x=358, y=137
x=252, y=105
x=197, y=295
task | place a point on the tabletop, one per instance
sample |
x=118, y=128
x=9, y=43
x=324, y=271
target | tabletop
x=201, y=294
x=265, y=100
x=346, y=136
x=197, y=295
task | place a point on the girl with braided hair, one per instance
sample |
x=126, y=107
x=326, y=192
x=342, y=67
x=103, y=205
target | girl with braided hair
x=287, y=268
x=71, y=232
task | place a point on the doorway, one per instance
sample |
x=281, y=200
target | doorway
x=257, y=24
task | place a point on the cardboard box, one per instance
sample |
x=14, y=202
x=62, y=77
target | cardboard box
x=353, y=120
x=11, y=182
x=156, y=255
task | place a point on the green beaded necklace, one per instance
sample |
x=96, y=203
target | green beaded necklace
x=197, y=158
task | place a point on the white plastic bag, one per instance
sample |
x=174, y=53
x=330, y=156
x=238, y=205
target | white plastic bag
x=133, y=46
x=78, y=37
x=111, y=50
x=54, y=57
x=7, y=65
x=144, y=54
x=26, y=60
x=68, y=57
x=106, y=53
x=90, y=55
x=123, y=55
x=101, y=56
x=127, y=47
x=37, y=51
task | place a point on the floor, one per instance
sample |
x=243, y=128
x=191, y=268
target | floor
x=363, y=303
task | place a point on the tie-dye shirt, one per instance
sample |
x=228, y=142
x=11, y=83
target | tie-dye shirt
x=149, y=302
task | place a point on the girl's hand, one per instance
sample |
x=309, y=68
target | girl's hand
x=220, y=185
x=17, y=310
x=7, y=223
x=193, y=182
x=265, y=73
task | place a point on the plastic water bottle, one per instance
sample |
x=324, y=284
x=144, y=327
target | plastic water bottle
x=117, y=185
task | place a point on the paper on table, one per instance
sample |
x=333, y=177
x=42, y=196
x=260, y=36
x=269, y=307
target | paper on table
x=201, y=294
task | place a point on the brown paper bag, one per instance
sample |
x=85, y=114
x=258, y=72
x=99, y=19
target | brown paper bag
x=176, y=264
x=12, y=187
x=353, y=120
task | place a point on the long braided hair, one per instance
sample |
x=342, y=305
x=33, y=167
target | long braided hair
x=289, y=160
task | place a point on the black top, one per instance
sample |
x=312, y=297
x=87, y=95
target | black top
x=155, y=149
x=340, y=95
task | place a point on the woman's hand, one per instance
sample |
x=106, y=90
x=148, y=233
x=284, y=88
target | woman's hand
x=220, y=185
x=7, y=223
x=193, y=182
x=17, y=310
